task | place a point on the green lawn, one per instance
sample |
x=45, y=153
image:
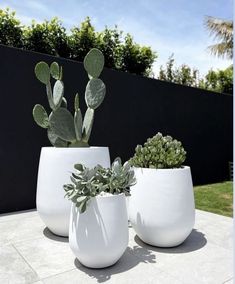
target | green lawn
x=216, y=198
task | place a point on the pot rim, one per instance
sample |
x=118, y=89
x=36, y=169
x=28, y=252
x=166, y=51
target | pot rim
x=170, y=169
x=73, y=148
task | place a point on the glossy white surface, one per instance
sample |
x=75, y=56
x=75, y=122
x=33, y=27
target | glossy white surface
x=99, y=236
x=55, y=167
x=161, y=206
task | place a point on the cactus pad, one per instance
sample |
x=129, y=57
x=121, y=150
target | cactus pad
x=42, y=72
x=40, y=116
x=64, y=102
x=76, y=102
x=87, y=124
x=62, y=124
x=78, y=124
x=94, y=62
x=55, y=70
x=58, y=92
x=95, y=93
x=55, y=140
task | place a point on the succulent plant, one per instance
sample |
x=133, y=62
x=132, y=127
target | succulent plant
x=63, y=128
x=159, y=152
x=88, y=183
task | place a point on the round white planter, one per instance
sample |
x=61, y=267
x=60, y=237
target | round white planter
x=161, y=207
x=55, y=167
x=99, y=236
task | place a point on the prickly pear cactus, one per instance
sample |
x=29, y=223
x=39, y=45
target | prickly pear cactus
x=55, y=70
x=77, y=118
x=42, y=72
x=58, y=92
x=87, y=124
x=95, y=93
x=40, y=116
x=61, y=123
x=94, y=62
x=63, y=128
x=55, y=140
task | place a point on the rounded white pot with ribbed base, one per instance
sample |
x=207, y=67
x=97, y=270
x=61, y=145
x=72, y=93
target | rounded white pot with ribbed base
x=99, y=236
x=55, y=167
x=161, y=207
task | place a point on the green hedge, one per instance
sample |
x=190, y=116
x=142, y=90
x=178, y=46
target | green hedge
x=50, y=37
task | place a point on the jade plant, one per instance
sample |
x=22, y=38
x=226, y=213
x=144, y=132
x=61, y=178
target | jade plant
x=159, y=152
x=88, y=183
x=65, y=129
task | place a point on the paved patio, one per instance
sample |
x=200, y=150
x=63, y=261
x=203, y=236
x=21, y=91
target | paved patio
x=29, y=253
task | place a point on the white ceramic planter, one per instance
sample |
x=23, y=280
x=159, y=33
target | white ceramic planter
x=55, y=167
x=161, y=207
x=99, y=236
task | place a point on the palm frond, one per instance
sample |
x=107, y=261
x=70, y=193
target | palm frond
x=221, y=50
x=223, y=30
x=219, y=28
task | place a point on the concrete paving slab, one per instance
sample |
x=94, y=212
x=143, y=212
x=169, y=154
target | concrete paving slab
x=218, y=229
x=13, y=268
x=48, y=255
x=16, y=229
x=29, y=253
x=127, y=270
x=161, y=256
x=19, y=215
x=210, y=265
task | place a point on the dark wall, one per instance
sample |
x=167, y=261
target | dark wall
x=134, y=109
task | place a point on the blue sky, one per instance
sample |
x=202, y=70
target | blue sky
x=173, y=26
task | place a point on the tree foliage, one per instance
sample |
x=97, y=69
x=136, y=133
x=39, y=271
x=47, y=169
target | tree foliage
x=109, y=42
x=50, y=37
x=82, y=39
x=218, y=81
x=134, y=58
x=183, y=74
x=10, y=29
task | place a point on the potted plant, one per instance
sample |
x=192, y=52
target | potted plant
x=98, y=234
x=161, y=208
x=69, y=134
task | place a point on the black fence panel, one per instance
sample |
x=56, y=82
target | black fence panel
x=134, y=109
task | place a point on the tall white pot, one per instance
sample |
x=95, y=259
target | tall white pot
x=99, y=236
x=55, y=167
x=161, y=208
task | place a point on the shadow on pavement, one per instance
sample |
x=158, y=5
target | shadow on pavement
x=195, y=241
x=126, y=262
x=48, y=234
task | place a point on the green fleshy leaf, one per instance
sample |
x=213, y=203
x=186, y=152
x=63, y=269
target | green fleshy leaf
x=87, y=124
x=62, y=124
x=40, y=116
x=55, y=70
x=42, y=72
x=94, y=62
x=95, y=93
x=58, y=92
x=55, y=140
